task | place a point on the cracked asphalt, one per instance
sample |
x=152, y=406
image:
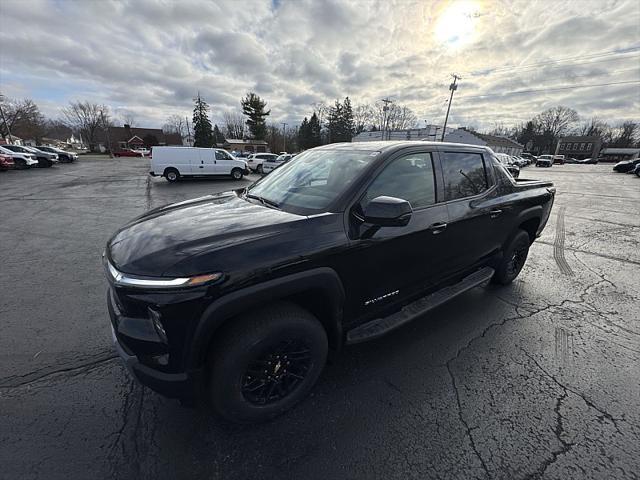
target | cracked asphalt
x=536, y=380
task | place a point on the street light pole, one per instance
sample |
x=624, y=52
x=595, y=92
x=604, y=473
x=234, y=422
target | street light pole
x=453, y=87
x=284, y=137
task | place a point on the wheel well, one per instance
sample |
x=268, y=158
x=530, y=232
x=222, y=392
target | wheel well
x=170, y=169
x=315, y=300
x=531, y=227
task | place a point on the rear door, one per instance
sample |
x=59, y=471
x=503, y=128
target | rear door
x=471, y=195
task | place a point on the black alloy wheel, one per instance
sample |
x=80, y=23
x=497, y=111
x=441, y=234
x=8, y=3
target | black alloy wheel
x=264, y=362
x=277, y=373
x=514, y=258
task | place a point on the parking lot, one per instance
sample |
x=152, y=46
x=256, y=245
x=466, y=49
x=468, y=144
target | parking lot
x=535, y=380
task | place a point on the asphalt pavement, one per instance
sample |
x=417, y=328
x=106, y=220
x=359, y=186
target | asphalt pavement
x=536, y=380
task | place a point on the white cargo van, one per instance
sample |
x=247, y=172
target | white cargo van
x=175, y=162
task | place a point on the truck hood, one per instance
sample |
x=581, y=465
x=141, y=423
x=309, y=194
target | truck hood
x=154, y=242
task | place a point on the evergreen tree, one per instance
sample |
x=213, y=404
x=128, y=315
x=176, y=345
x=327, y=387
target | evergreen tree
x=334, y=119
x=218, y=137
x=202, y=131
x=254, y=108
x=347, y=124
x=304, y=135
x=315, y=131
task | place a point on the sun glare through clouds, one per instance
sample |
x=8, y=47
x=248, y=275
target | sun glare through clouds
x=456, y=24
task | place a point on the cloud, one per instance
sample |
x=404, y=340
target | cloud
x=151, y=57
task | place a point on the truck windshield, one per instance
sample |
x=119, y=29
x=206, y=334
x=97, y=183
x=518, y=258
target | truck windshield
x=311, y=181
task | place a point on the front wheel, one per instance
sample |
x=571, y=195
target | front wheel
x=236, y=174
x=172, y=175
x=259, y=169
x=266, y=362
x=515, y=256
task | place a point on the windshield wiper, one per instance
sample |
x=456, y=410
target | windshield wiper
x=264, y=201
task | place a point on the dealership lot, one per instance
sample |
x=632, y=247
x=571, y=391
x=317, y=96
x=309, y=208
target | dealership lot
x=535, y=380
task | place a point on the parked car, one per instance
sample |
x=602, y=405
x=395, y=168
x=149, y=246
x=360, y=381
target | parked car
x=272, y=163
x=256, y=160
x=626, y=165
x=6, y=162
x=63, y=155
x=544, y=161
x=590, y=161
x=145, y=152
x=236, y=298
x=45, y=159
x=173, y=163
x=127, y=152
x=637, y=170
x=41, y=159
x=509, y=164
x=529, y=157
x=20, y=159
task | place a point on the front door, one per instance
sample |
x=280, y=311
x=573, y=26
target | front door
x=388, y=266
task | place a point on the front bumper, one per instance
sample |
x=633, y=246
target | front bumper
x=137, y=331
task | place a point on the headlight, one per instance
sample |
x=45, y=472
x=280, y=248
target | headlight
x=126, y=280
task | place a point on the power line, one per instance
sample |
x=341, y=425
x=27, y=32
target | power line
x=552, y=89
x=559, y=60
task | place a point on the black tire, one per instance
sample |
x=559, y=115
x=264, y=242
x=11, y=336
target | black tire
x=236, y=174
x=259, y=169
x=172, y=175
x=284, y=339
x=20, y=164
x=515, y=256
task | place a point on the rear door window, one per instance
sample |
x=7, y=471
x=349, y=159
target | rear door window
x=465, y=174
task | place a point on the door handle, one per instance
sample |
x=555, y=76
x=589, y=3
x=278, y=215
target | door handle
x=436, y=228
x=201, y=166
x=495, y=213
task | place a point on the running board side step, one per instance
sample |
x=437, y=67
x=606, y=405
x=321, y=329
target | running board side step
x=380, y=326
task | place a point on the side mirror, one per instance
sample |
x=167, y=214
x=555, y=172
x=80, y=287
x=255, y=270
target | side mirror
x=388, y=212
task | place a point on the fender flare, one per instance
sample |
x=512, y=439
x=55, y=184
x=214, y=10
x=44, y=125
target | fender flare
x=322, y=279
x=535, y=211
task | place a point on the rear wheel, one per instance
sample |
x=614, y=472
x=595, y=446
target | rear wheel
x=236, y=174
x=266, y=362
x=172, y=175
x=514, y=259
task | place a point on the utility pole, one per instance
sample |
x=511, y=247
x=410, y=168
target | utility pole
x=385, y=109
x=453, y=87
x=284, y=137
x=189, y=140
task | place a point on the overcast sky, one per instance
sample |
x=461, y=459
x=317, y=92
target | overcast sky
x=151, y=57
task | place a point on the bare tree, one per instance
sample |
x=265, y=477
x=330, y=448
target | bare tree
x=234, y=125
x=593, y=127
x=625, y=135
x=129, y=119
x=21, y=118
x=175, y=124
x=363, y=117
x=396, y=117
x=86, y=118
x=557, y=121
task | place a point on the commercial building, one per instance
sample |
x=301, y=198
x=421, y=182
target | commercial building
x=579, y=147
x=494, y=142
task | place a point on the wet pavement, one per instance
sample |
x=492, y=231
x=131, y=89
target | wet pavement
x=536, y=380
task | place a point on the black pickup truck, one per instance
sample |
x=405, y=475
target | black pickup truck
x=237, y=299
